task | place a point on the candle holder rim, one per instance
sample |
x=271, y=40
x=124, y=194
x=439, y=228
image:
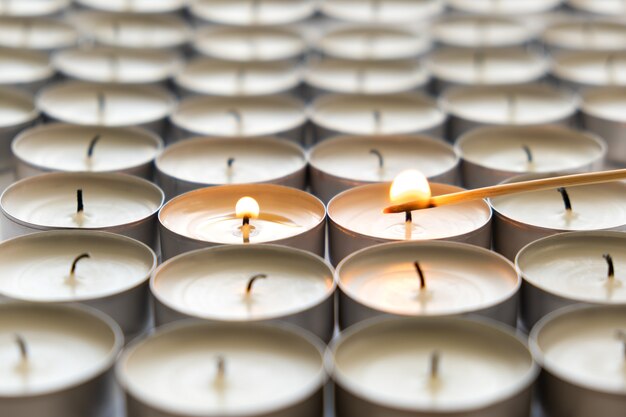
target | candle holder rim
x=442, y=38
x=196, y=10
x=24, y=98
x=559, y=66
x=41, y=57
x=326, y=9
x=586, y=108
x=59, y=6
x=176, y=5
x=458, y=6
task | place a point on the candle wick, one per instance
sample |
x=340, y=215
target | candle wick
x=511, y=102
x=101, y=105
x=381, y=161
x=22, y=346
x=220, y=373
x=378, y=119
x=245, y=229
x=92, y=144
x=566, y=201
x=78, y=258
x=251, y=282
x=238, y=119
x=529, y=154
x=408, y=224
x=229, y=162
x=79, y=201
x=420, y=274
x=479, y=64
x=611, y=268
x=435, y=358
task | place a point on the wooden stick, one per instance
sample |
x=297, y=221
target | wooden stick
x=515, y=187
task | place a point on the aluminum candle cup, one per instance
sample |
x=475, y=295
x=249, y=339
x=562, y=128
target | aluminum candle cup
x=504, y=7
x=582, y=69
x=252, y=12
x=356, y=220
x=330, y=75
x=606, y=7
x=38, y=34
x=201, y=162
x=63, y=147
x=387, y=114
x=383, y=11
x=602, y=113
x=481, y=31
x=223, y=369
x=282, y=115
x=243, y=283
x=107, y=105
x=453, y=367
x=585, y=35
x=340, y=163
x=117, y=203
x=426, y=279
x=581, y=351
x=25, y=70
x=244, y=44
x=26, y=8
x=524, y=105
x=491, y=155
x=570, y=268
x=367, y=42
x=134, y=6
x=207, y=217
x=18, y=113
x=525, y=217
x=118, y=66
x=213, y=77
x=486, y=66
x=57, y=360
x=106, y=271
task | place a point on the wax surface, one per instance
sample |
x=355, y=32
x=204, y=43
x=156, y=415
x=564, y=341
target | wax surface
x=15, y=108
x=509, y=7
x=587, y=35
x=474, y=31
x=608, y=7
x=389, y=11
x=63, y=349
x=255, y=160
x=244, y=12
x=41, y=34
x=32, y=7
x=213, y=285
x=18, y=67
x=607, y=103
x=137, y=6
x=264, y=370
x=591, y=68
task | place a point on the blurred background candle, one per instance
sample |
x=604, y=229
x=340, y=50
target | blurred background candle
x=17, y=112
x=603, y=111
x=504, y=7
x=382, y=11
x=33, y=7
x=24, y=69
x=64, y=147
x=606, y=35
x=604, y=7
x=39, y=34
x=251, y=12
x=480, y=31
x=134, y=6
x=581, y=69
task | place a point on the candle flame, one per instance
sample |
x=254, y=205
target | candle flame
x=247, y=207
x=409, y=185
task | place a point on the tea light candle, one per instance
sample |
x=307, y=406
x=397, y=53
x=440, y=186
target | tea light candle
x=56, y=360
x=426, y=279
x=486, y=66
x=39, y=34
x=431, y=367
x=117, y=65
x=135, y=6
x=281, y=115
x=481, y=31
x=63, y=147
x=493, y=154
x=225, y=78
x=253, y=43
x=586, y=35
x=372, y=43
x=387, y=114
x=109, y=105
x=581, y=350
x=271, y=214
x=201, y=162
x=106, y=271
x=356, y=220
x=23, y=69
x=17, y=111
x=25, y=8
x=274, y=284
x=604, y=7
x=366, y=77
x=504, y=7
x=223, y=369
x=525, y=105
x=118, y=203
x=522, y=218
x=383, y=11
x=570, y=268
x=340, y=163
x=602, y=113
x=583, y=69
x=252, y=12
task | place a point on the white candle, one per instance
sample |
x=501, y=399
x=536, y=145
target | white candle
x=224, y=370
x=481, y=31
x=117, y=65
x=37, y=34
x=23, y=69
x=224, y=78
x=591, y=68
x=372, y=42
x=249, y=43
x=62, y=147
x=135, y=6
x=603, y=112
x=17, y=111
x=387, y=114
x=605, y=7
x=382, y=11
x=252, y=12
x=504, y=7
x=586, y=35
x=200, y=162
x=25, y=8
x=367, y=77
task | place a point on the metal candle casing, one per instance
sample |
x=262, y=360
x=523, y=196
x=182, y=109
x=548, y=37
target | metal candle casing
x=613, y=131
x=7, y=133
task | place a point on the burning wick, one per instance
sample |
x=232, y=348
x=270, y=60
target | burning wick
x=566, y=200
x=72, y=277
x=220, y=374
x=251, y=282
x=378, y=120
x=511, y=103
x=420, y=273
x=238, y=120
x=407, y=186
x=611, y=269
x=246, y=208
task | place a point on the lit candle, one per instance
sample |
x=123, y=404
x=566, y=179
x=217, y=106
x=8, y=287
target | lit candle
x=25, y=70
x=39, y=34
x=17, y=112
x=225, y=78
x=259, y=283
x=431, y=367
x=493, y=154
x=383, y=11
x=26, y=8
x=582, y=351
x=63, y=147
x=281, y=115
x=603, y=112
x=605, y=7
x=252, y=12
x=56, y=360
x=585, y=35
x=468, y=31
x=386, y=114
x=570, y=268
x=504, y=7
x=135, y=6
x=581, y=69
x=271, y=214
x=426, y=279
x=201, y=162
x=118, y=203
x=340, y=163
x=224, y=369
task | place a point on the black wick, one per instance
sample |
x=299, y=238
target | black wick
x=408, y=216
x=79, y=201
x=529, y=155
x=21, y=344
x=251, y=281
x=377, y=115
x=101, y=102
x=221, y=367
x=381, y=161
x=92, y=144
x=609, y=261
x=435, y=358
x=78, y=258
x=420, y=273
x=229, y=162
x=566, y=200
